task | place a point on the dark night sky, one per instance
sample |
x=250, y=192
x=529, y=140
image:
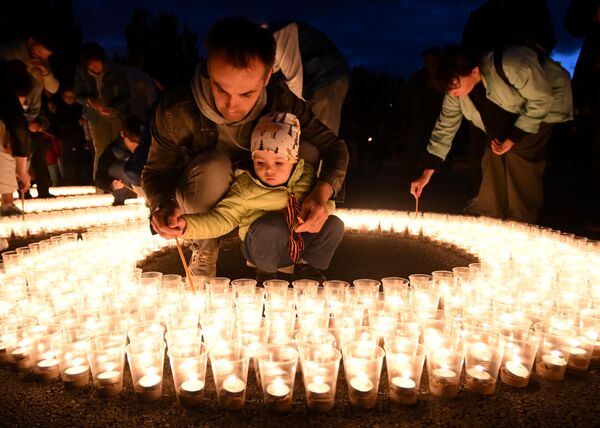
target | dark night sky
x=379, y=34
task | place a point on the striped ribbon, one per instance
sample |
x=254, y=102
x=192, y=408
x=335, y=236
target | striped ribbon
x=295, y=239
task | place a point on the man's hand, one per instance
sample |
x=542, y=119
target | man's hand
x=499, y=148
x=314, y=209
x=167, y=221
x=117, y=184
x=417, y=186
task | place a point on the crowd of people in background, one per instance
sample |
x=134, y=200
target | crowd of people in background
x=501, y=79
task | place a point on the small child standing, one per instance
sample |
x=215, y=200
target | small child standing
x=265, y=203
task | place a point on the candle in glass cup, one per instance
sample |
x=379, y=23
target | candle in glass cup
x=318, y=395
x=233, y=393
x=48, y=367
x=149, y=387
x=110, y=383
x=77, y=375
x=191, y=393
x=551, y=366
x=362, y=392
x=480, y=381
x=578, y=359
x=403, y=390
x=444, y=383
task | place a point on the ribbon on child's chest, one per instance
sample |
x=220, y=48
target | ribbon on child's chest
x=292, y=215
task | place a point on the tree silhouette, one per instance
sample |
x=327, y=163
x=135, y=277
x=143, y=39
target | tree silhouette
x=157, y=46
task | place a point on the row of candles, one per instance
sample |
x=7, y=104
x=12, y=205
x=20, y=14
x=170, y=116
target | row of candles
x=299, y=325
x=61, y=191
x=47, y=221
x=533, y=303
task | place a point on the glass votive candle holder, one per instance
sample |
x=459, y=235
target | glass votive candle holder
x=152, y=331
x=20, y=349
x=396, y=291
x=73, y=358
x=45, y=362
x=520, y=348
x=404, y=364
x=407, y=333
x=243, y=286
x=582, y=348
x=229, y=363
x=182, y=337
x=366, y=335
x=217, y=285
x=188, y=366
x=146, y=359
x=8, y=339
x=419, y=281
x=444, y=365
x=106, y=356
x=366, y=290
x=305, y=287
x=554, y=350
x=440, y=333
x=183, y=320
x=277, y=366
x=483, y=358
x=362, y=365
x=275, y=287
x=320, y=367
x=217, y=326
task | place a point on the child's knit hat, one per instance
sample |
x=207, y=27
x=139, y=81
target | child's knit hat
x=278, y=133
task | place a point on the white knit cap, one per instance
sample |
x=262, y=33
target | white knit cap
x=278, y=133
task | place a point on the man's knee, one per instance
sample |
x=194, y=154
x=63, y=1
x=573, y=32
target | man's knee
x=212, y=164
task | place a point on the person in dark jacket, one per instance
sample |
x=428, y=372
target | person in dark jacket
x=103, y=89
x=111, y=176
x=202, y=132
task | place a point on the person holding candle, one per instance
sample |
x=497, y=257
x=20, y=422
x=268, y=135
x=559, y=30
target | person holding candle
x=264, y=201
x=516, y=98
x=201, y=133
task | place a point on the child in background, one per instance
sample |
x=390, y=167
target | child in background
x=265, y=203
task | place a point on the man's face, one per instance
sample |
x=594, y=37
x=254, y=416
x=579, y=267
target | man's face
x=271, y=169
x=236, y=90
x=38, y=51
x=95, y=66
x=463, y=85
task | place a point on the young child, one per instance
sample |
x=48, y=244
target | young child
x=265, y=203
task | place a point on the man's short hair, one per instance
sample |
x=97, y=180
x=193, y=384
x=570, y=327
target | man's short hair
x=455, y=62
x=17, y=77
x=132, y=129
x=91, y=52
x=239, y=42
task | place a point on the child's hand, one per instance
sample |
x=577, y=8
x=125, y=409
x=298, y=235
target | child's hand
x=117, y=184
